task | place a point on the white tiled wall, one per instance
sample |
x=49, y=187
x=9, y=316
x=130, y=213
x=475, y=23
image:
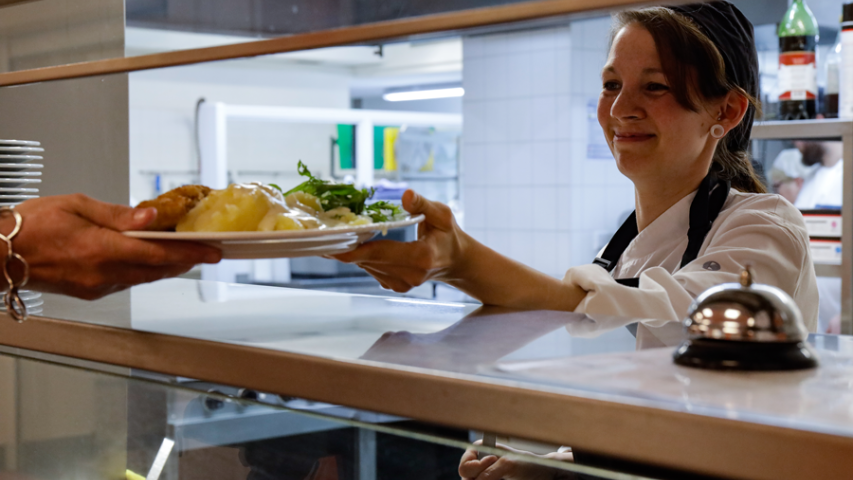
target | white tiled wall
x=529, y=190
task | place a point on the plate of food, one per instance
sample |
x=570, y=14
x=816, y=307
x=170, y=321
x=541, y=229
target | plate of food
x=254, y=220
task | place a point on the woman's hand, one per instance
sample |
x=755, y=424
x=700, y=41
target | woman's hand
x=492, y=467
x=73, y=246
x=436, y=255
x=444, y=252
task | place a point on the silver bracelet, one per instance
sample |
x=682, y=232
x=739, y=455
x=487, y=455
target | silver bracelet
x=14, y=305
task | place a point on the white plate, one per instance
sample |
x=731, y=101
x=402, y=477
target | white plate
x=9, y=150
x=18, y=181
x=29, y=295
x=17, y=197
x=20, y=143
x=282, y=244
x=18, y=158
x=20, y=166
x=10, y=190
x=10, y=174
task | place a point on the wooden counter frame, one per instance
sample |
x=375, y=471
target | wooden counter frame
x=679, y=440
x=360, y=34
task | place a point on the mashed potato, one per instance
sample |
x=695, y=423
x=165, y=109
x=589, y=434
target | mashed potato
x=248, y=207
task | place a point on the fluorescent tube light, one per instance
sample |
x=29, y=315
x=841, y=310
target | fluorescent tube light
x=425, y=94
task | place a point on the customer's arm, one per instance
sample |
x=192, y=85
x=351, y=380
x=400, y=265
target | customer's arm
x=73, y=245
x=446, y=253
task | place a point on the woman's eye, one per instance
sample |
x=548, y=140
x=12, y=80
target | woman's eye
x=657, y=87
x=611, y=85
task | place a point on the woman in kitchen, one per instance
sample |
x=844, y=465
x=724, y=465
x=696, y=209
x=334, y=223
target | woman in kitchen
x=677, y=105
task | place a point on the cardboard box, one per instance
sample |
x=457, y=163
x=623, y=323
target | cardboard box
x=826, y=251
x=822, y=223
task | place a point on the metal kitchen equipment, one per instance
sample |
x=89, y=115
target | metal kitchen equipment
x=745, y=326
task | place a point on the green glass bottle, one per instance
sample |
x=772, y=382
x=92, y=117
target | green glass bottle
x=798, y=36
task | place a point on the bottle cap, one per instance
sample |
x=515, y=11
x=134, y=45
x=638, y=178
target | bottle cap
x=847, y=13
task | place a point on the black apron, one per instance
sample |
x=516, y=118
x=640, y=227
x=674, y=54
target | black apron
x=704, y=210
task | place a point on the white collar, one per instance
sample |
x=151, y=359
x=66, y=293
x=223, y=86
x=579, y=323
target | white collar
x=669, y=228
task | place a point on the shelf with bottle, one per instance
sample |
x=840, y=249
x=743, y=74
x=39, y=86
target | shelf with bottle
x=798, y=36
x=826, y=129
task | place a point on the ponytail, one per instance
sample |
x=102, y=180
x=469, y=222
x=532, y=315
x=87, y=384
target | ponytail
x=736, y=167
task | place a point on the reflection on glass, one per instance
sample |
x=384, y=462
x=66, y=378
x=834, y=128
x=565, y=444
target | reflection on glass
x=58, y=422
x=270, y=18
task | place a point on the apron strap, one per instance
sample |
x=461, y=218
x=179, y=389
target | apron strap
x=706, y=206
x=620, y=241
x=704, y=210
x=629, y=282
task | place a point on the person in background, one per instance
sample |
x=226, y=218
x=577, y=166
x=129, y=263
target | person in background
x=74, y=246
x=788, y=174
x=823, y=187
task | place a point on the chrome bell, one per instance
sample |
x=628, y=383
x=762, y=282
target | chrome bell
x=745, y=326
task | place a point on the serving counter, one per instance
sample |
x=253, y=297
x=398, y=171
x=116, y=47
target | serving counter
x=231, y=364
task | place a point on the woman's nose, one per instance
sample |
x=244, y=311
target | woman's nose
x=626, y=106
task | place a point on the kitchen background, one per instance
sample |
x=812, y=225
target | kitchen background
x=533, y=178
x=528, y=173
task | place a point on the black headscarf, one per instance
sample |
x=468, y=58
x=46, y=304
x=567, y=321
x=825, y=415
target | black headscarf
x=733, y=36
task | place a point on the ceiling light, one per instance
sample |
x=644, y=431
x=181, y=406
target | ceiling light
x=423, y=93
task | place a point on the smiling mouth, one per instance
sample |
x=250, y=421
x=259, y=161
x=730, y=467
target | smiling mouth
x=633, y=137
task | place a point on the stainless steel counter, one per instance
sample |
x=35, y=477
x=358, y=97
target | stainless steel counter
x=458, y=365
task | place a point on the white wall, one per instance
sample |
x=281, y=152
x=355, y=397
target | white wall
x=438, y=105
x=530, y=190
x=162, y=107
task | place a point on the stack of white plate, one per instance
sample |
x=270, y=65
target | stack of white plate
x=20, y=176
x=20, y=170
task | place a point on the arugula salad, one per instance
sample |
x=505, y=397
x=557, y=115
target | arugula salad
x=337, y=195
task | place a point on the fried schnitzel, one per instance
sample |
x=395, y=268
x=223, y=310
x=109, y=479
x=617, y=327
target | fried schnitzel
x=173, y=205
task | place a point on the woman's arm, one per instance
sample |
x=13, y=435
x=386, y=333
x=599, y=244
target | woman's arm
x=495, y=279
x=446, y=253
x=774, y=243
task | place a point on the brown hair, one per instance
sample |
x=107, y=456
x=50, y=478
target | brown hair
x=696, y=72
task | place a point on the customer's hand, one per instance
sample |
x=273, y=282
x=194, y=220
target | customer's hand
x=492, y=467
x=73, y=246
x=435, y=255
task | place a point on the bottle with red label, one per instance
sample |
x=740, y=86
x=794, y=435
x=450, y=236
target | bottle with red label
x=798, y=36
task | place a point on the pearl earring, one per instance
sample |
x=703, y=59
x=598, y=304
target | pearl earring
x=717, y=131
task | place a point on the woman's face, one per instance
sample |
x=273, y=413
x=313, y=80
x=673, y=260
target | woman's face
x=653, y=138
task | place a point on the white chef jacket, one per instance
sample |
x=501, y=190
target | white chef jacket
x=763, y=230
x=823, y=187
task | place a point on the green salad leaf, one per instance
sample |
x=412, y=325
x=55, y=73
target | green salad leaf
x=335, y=195
x=382, y=211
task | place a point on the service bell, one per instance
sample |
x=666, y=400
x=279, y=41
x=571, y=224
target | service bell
x=745, y=326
